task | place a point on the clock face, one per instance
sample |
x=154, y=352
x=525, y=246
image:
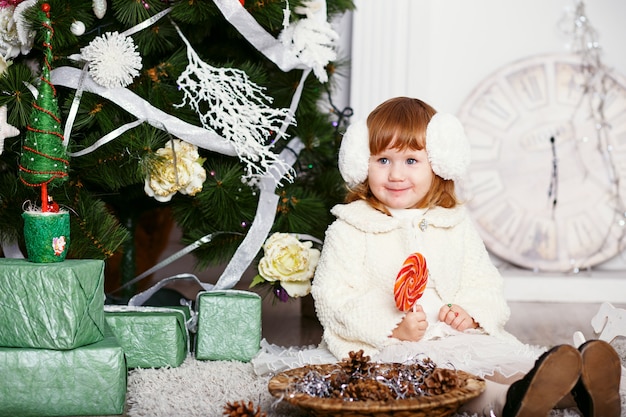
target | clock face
x=547, y=184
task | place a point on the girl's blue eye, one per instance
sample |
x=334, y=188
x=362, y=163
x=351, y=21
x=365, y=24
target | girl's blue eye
x=383, y=160
x=411, y=161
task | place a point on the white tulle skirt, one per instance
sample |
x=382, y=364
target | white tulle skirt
x=478, y=354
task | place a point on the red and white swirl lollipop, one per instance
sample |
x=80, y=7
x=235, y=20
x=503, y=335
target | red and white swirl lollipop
x=411, y=281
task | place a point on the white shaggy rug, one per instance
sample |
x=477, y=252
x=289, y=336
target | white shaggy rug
x=203, y=388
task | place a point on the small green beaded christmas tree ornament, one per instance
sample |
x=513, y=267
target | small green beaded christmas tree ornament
x=44, y=163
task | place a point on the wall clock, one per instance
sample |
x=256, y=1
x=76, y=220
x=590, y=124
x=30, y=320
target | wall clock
x=547, y=185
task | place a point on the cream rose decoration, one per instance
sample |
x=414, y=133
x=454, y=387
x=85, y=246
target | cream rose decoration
x=290, y=262
x=184, y=175
x=14, y=41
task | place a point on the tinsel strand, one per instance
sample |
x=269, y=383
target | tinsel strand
x=595, y=85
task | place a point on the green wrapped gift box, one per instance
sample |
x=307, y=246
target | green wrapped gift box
x=86, y=381
x=229, y=325
x=53, y=305
x=152, y=337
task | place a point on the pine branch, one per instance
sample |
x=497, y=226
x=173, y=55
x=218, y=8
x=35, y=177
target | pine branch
x=95, y=232
x=301, y=211
x=15, y=94
x=122, y=162
x=131, y=13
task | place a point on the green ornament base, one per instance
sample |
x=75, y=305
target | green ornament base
x=47, y=236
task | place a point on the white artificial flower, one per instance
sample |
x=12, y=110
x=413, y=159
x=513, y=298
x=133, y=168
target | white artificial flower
x=10, y=43
x=25, y=33
x=4, y=65
x=312, y=38
x=290, y=261
x=113, y=60
x=314, y=42
x=176, y=170
x=296, y=289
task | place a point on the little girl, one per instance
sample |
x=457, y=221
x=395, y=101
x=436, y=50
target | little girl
x=401, y=168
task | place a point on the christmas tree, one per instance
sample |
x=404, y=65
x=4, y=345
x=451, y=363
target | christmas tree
x=176, y=113
x=44, y=160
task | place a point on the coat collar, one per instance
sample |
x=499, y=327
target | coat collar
x=362, y=216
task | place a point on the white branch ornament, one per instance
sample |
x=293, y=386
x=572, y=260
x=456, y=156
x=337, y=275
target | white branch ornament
x=236, y=109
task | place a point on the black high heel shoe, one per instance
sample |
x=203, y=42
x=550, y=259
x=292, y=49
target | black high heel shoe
x=597, y=391
x=554, y=375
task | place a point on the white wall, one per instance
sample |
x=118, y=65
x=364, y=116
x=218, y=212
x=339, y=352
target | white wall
x=438, y=50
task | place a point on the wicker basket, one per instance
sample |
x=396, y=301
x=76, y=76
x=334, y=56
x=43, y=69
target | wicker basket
x=282, y=386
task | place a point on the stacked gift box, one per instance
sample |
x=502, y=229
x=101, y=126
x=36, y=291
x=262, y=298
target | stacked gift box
x=63, y=352
x=152, y=337
x=57, y=355
x=225, y=324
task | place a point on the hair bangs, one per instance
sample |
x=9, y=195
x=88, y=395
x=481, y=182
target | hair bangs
x=401, y=124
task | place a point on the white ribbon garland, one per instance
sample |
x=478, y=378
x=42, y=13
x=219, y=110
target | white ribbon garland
x=140, y=108
x=146, y=23
x=263, y=220
x=69, y=122
x=107, y=138
x=11, y=249
x=269, y=46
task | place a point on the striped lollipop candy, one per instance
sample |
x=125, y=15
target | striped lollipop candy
x=411, y=281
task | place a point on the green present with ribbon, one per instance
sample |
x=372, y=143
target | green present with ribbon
x=226, y=322
x=51, y=306
x=152, y=337
x=229, y=325
x=86, y=381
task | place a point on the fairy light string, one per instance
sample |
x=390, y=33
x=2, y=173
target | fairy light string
x=43, y=160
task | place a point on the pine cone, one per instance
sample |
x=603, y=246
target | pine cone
x=240, y=409
x=337, y=381
x=358, y=362
x=441, y=380
x=367, y=389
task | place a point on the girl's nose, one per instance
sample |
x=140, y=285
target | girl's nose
x=396, y=173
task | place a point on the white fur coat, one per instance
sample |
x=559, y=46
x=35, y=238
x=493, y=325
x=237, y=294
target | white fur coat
x=363, y=251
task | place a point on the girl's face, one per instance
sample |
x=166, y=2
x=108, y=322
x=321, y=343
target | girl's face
x=400, y=179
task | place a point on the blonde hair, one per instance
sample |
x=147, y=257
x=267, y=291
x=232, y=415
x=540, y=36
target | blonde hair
x=400, y=123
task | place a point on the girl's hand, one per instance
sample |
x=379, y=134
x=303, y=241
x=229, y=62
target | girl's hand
x=413, y=325
x=457, y=317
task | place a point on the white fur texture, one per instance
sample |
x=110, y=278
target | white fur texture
x=447, y=147
x=354, y=154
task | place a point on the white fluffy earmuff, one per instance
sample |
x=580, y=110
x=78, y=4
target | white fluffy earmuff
x=446, y=145
x=354, y=154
